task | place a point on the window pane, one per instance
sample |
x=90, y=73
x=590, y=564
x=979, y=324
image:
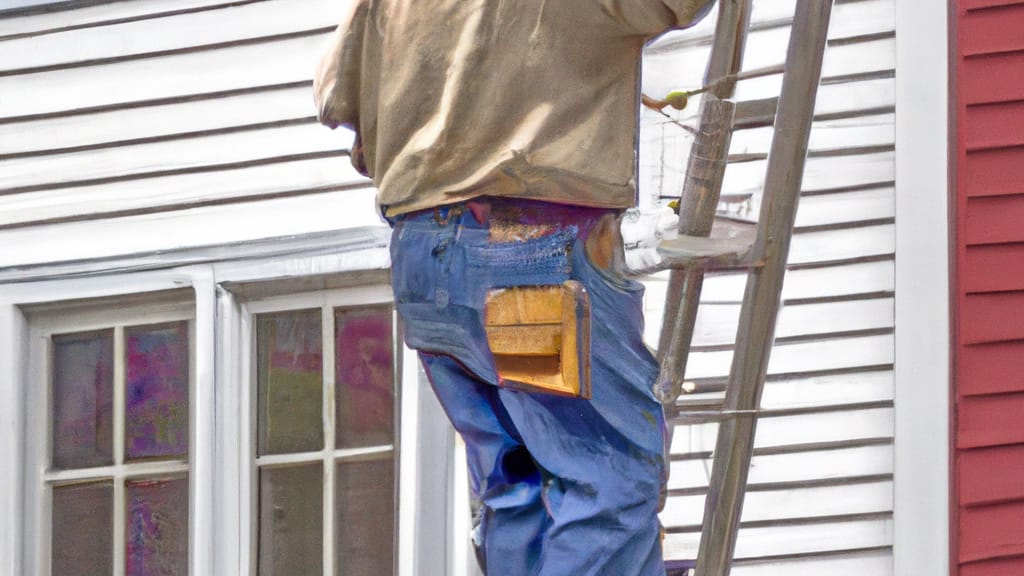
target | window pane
x=289, y=378
x=291, y=521
x=82, y=529
x=364, y=410
x=157, y=527
x=365, y=517
x=83, y=399
x=156, y=391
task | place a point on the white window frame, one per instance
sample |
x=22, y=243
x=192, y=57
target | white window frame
x=326, y=302
x=100, y=315
x=19, y=542
x=922, y=396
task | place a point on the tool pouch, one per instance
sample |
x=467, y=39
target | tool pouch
x=540, y=337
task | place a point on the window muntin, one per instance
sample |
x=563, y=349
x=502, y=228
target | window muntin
x=325, y=476
x=117, y=471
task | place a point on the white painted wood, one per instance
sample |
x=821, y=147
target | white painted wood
x=249, y=21
x=174, y=155
x=875, y=563
x=794, y=467
x=716, y=324
x=826, y=135
x=789, y=504
x=236, y=184
x=156, y=121
x=229, y=438
x=813, y=356
x=831, y=390
x=923, y=341
x=168, y=76
x=846, y=207
x=830, y=245
x=798, y=539
x=189, y=228
x=782, y=431
x=12, y=397
x=204, y=437
x=96, y=14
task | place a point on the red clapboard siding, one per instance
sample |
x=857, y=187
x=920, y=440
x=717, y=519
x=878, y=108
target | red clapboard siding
x=978, y=483
x=991, y=531
x=980, y=4
x=993, y=268
x=991, y=369
x=995, y=172
x=995, y=219
x=1006, y=567
x=992, y=78
x=995, y=30
x=994, y=125
x=991, y=421
x=992, y=317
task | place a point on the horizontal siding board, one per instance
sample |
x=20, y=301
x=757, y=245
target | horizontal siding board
x=812, y=428
x=872, y=562
x=815, y=502
x=138, y=38
x=993, y=268
x=971, y=5
x=99, y=15
x=990, y=368
x=159, y=193
x=992, y=78
x=843, y=244
x=826, y=135
x=996, y=30
x=188, y=228
x=994, y=219
x=988, y=126
x=156, y=121
x=847, y=207
x=995, y=172
x=820, y=174
x=992, y=317
x=1002, y=567
x=818, y=465
x=990, y=475
x=183, y=154
x=990, y=421
x=238, y=67
x=716, y=324
x=991, y=531
x=809, y=538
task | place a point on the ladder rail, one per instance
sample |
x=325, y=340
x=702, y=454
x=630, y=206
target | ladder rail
x=762, y=297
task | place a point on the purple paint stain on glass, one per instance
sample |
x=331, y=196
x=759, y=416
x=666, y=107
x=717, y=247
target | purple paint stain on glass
x=83, y=399
x=157, y=527
x=157, y=391
x=365, y=377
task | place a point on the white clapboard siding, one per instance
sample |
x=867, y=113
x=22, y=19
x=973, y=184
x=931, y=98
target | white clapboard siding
x=193, y=227
x=288, y=104
x=96, y=15
x=130, y=39
x=245, y=66
x=820, y=498
x=790, y=540
x=807, y=466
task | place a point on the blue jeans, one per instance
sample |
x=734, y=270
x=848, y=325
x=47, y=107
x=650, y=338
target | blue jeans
x=569, y=487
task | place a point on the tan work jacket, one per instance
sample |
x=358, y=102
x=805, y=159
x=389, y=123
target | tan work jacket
x=452, y=99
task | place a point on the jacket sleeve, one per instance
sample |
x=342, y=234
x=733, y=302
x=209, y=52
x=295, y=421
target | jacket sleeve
x=652, y=17
x=336, y=81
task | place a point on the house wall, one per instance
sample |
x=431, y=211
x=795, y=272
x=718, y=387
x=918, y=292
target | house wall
x=988, y=453
x=137, y=135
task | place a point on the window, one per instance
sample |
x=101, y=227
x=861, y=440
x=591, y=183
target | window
x=325, y=436
x=114, y=440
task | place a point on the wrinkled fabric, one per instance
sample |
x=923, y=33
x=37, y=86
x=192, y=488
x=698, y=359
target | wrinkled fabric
x=569, y=486
x=453, y=99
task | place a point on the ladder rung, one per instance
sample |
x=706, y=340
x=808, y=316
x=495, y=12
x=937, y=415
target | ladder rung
x=728, y=245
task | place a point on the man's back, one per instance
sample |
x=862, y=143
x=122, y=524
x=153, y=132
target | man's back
x=454, y=99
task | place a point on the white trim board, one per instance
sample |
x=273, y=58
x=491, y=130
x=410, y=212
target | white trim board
x=921, y=511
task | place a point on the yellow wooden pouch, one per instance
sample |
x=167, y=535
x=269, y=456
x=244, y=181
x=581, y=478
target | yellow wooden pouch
x=540, y=337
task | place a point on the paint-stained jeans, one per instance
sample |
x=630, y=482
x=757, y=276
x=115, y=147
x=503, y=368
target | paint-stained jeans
x=569, y=487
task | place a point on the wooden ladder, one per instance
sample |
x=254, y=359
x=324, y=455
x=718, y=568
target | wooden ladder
x=706, y=243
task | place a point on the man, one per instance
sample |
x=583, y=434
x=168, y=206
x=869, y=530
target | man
x=501, y=136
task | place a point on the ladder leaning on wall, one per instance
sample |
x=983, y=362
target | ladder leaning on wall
x=706, y=243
